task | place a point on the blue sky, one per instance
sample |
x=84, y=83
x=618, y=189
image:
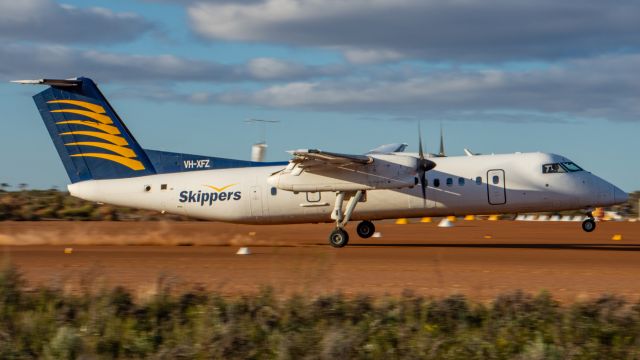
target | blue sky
x=346, y=76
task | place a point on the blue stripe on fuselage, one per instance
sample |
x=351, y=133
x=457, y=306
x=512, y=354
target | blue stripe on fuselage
x=169, y=162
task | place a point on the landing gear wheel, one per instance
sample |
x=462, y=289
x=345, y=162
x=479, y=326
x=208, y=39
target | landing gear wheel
x=366, y=229
x=338, y=238
x=589, y=225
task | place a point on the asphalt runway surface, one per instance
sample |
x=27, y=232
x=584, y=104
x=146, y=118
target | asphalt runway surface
x=480, y=259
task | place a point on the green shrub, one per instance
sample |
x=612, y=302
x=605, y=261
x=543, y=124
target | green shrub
x=47, y=323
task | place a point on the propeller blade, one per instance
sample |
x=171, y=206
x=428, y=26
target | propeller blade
x=420, y=152
x=423, y=185
x=421, y=167
x=441, y=153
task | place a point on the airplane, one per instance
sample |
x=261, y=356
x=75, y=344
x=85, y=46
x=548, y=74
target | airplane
x=107, y=165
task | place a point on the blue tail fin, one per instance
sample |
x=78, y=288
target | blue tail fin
x=90, y=137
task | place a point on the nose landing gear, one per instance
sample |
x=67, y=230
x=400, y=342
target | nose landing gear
x=589, y=224
x=338, y=238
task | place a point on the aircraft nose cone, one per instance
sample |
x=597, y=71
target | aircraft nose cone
x=619, y=196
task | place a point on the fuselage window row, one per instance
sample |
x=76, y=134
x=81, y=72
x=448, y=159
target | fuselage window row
x=461, y=181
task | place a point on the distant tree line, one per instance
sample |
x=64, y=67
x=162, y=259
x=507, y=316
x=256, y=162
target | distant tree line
x=33, y=205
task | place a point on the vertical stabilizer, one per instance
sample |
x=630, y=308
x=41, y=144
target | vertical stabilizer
x=88, y=134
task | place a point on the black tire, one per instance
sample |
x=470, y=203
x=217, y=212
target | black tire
x=366, y=229
x=589, y=225
x=338, y=238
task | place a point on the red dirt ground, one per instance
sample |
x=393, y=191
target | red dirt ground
x=480, y=259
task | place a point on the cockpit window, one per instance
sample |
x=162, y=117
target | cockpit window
x=552, y=169
x=560, y=168
x=571, y=167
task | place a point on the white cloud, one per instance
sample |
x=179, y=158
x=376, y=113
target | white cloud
x=48, y=21
x=590, y=88
x=371, y=56
x=268, y=68
x=464, y=31
x=18, y=61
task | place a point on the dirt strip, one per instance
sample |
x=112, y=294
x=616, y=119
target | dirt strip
x=477, y=258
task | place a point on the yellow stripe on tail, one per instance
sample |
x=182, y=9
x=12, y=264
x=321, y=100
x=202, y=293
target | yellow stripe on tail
x=117, y=140
x=109, y=129
x=89, y=106
x=122, y=151
x=130, y=163
x=98, y=117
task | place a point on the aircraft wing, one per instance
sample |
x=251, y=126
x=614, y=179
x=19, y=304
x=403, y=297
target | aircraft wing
x=314, y=170
x=314, y=157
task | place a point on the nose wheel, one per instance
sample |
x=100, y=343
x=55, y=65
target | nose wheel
x=366, y=229
x=589, y=224
x=338, y=238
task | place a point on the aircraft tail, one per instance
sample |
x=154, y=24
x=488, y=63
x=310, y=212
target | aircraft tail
x=88, y=134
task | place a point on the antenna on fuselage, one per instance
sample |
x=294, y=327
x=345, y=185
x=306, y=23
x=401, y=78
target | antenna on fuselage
x=441, y=152
x=259, y=149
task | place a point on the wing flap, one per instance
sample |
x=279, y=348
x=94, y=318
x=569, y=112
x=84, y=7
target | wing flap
x=313, y=157
x=315, y=170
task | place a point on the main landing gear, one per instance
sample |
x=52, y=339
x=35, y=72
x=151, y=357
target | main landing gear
x=589, y=224
x=339, y=236
x=366, y=229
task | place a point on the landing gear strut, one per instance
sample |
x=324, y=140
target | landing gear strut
x=366, y=229
x=589, y=224
x=339, y=236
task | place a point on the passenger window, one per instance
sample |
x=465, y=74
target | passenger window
x=496, y=179
x=274, y=191
x=436, y=182
x=479, y=180
x=461, y=181
x=449, y=181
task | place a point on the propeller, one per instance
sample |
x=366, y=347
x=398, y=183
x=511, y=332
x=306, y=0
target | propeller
x=424, y=165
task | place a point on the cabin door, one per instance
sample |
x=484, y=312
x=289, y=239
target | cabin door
x=256, y=201
x=496, y=187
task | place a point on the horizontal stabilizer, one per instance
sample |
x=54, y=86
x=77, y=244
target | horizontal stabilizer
x=50, y=82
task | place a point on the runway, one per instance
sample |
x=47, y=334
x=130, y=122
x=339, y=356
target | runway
x=480, y=259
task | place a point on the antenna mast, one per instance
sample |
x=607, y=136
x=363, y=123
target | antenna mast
x=259, y=150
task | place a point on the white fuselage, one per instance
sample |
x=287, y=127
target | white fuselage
x=512, y=183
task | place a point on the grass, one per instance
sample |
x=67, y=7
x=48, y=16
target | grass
x=197, y=324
